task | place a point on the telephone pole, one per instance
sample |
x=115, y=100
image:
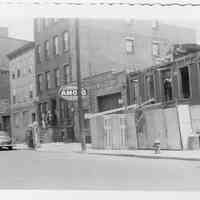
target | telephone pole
x=78, y=77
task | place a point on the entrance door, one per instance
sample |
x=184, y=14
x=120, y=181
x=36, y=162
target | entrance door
x=6, y=123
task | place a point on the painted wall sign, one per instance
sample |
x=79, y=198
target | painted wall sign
x=70, y=92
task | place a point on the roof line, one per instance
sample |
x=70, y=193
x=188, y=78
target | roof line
x=3, y=37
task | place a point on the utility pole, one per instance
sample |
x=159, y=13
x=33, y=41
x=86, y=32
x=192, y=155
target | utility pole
x=78, y=77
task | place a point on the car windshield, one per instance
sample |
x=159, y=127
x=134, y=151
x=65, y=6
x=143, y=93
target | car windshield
x=3, y=133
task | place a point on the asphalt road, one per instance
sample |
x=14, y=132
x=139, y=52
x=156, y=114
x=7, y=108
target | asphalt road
x=26, y=169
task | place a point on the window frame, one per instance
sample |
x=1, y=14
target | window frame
x=57, y=79
x=56, y=47
x=132, y=40
x=47, y=49
x=158, y=49
x=66, y=43
x=48, y=82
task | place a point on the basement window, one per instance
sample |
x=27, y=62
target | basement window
x=185, y=82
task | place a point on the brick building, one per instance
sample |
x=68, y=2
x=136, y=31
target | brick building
x=4, y=101
x=105, y=45
x=22, y=89
x=7, y=45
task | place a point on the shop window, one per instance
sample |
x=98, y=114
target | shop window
x=167, y=84
x=149, y=86
x=135, y=91
x=185, y=82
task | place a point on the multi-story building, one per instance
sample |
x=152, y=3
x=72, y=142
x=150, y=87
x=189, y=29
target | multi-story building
x=4, y=101
x=105, y=45
x=22, y=89
x=7, y=45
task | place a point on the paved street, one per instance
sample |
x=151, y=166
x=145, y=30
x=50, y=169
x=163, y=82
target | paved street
x=26, y=169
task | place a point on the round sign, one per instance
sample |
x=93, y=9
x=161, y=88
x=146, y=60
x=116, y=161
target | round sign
x=71, y=92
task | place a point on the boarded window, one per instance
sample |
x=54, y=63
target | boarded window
x=185, y=82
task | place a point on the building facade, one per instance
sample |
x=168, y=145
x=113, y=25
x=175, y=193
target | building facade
x=105, y=45
x=5, y=101
x=22, y=89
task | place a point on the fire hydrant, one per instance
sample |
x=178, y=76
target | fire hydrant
x=156, y=146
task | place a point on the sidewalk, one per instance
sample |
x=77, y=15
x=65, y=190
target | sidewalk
x=76, y=148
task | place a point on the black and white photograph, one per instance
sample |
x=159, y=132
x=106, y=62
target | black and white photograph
x=99, y=102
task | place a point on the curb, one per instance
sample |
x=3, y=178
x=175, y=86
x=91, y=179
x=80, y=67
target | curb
x=146, y=156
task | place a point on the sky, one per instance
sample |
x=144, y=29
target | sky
x=22, y=28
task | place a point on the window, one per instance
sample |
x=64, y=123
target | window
x=86, y=121
x=135, y=91
x=57, y=77
x=39, y=82
x=25, y=118
x=18, y=73
x=13, y=75
x=46, y=50
x=65, y=41
x=55, y=45
x=184, y=82
x=48, y=80
x=30, y=69
x=155, y=24
x=16, y=119
x=66, y=74
x=39, y=24
x=129, y=45
x=31, y=92
x=47, y=21
x=155, y=49
x=38, y=54
x=167, y=84
x=14, y=97
x=149, y=86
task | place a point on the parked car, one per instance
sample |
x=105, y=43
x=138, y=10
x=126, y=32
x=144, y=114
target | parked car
x=5, y=140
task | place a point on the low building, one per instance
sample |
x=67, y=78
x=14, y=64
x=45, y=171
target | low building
x=22, y=89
